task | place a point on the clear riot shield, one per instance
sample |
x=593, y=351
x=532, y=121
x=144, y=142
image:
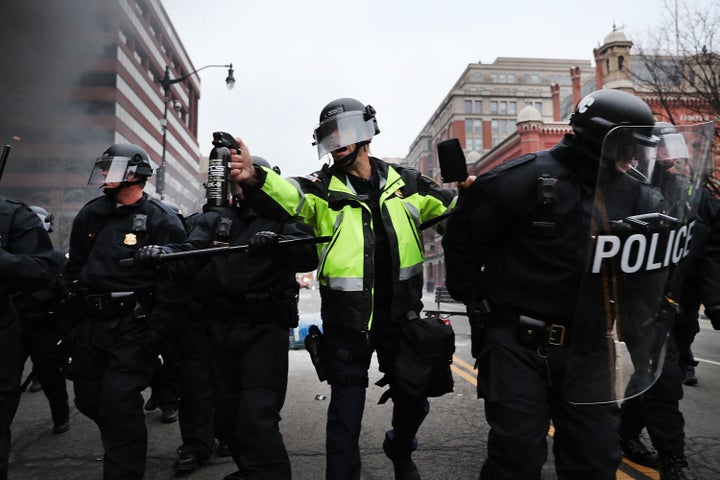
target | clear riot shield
x=649, y=185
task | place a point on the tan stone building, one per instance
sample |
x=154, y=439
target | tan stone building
x=482, y=109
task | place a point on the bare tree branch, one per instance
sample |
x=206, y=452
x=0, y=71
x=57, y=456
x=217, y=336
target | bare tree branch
x=680, y=65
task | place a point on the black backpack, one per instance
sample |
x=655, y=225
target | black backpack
x=422, y=369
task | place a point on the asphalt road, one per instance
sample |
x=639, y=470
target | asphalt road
x=452, y=439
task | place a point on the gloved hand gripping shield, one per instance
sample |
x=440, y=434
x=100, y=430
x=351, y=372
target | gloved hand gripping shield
x=640, y=232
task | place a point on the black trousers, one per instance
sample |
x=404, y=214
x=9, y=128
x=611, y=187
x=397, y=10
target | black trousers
x=41, y=345
x=250, y=374
x=196, y=410
x=164, y=384
x=110, y=370
x=522, y=395
x=10, y=358
x=658, y=409
x=347, y=401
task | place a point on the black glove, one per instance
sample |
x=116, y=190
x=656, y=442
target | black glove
x=150, y=255
x=713, y=313
x=263, y=243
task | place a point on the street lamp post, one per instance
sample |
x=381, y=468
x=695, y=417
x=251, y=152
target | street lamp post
x=166, y=81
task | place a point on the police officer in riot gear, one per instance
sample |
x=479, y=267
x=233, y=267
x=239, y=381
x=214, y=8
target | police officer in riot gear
x=128, y=312
x=514, y=252
x=371, y=276
x=27, y=264
x=249, y=300
x=658, y=408
x=42, y=336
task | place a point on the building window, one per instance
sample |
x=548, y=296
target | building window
x=512, y=108
x=621, y=62
x=477, y=124
x=468, y=126
x=495, y=126
x=477, y=106
x=493, y=77
x=468, y=106
x=511, y=78
x=538, y=107
x=493, y=107
x=503, y=108
x=473, y=144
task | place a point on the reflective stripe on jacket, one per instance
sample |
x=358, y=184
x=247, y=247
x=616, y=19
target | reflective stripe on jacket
x=326, y=201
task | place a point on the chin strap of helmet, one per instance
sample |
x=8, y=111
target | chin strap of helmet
x=350, y=159
x=114, y=190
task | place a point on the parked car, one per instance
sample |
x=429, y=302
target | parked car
x=298, y=334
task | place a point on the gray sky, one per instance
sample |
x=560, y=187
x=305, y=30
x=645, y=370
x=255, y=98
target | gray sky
x=292, y=57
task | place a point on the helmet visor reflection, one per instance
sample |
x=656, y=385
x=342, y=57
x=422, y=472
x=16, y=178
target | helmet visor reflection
x=109, y=170
x=672, y=147
x=342, y=130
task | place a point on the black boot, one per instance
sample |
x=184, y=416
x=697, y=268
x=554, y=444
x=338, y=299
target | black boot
x=403, y=465
x=675, y=467
x=638, y=450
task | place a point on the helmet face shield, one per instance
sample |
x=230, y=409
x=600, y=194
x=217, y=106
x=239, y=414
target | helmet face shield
x=630, y=150
x=342, y=130
x=110, y=170
x=672, y=147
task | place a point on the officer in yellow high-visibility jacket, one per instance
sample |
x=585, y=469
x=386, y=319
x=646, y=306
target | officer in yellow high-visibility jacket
x=370, y=273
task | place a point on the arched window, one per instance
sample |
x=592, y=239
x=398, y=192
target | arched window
x=621, y=62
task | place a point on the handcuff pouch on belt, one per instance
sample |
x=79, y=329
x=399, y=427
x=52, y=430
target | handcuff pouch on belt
x=534, y=333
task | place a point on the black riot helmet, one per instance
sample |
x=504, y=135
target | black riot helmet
x=603, y=110
x=257, y=160
x=118, y=162
x=44, y=216
x=344, y=122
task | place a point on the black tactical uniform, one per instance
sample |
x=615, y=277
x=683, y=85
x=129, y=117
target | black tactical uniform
x=658, y=408
x=250, y=302
x=27, y=263
x=42, y=341
x=196, y=411
x=517, y=246
x=127, y=312
x=702, y=282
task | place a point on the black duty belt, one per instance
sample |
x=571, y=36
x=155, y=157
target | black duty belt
x=531, y=330
x=117, y=303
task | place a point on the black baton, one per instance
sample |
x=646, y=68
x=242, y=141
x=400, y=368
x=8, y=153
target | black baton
x=225, y=250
